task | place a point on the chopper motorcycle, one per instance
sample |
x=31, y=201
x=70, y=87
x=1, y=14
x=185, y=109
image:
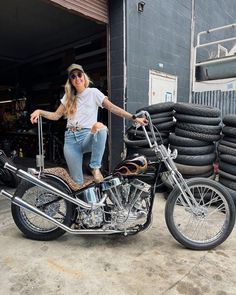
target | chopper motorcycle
x=199, y=213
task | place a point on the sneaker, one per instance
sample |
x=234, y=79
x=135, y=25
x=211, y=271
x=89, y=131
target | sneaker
x=97, y=175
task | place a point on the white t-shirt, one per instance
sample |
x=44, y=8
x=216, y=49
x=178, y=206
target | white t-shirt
x=87, y=108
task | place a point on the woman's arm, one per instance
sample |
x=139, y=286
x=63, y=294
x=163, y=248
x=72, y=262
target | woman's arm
x=54, y=116
x=122, y=113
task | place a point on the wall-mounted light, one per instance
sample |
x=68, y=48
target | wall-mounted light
x=141, y=6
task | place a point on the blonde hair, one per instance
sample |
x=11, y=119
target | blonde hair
x=70, y=92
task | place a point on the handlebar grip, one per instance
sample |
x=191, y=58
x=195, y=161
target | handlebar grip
x=143, y=114
x=140, y=113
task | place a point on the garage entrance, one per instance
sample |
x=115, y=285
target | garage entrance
x=39, y=40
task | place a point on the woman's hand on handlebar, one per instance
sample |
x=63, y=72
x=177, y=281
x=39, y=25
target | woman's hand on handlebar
x=34, y=116
x=141, y=121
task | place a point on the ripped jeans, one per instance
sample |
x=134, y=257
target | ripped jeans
x=82, y=141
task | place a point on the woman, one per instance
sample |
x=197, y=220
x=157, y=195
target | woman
x=83, y=133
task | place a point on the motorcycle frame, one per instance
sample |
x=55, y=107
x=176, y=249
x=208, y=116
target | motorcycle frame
x=160, y=150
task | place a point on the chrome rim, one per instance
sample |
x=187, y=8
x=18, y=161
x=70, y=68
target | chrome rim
x=48, y=203
x=206, y=222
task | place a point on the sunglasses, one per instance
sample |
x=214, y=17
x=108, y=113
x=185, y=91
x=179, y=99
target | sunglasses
x=76, y=75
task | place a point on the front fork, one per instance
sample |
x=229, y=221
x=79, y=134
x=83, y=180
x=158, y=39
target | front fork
x=176, y=176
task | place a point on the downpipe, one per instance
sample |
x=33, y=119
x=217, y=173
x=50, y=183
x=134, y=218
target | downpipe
x=19, y=202
x=28, y=177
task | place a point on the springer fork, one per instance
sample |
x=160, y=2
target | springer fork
x=167, y=157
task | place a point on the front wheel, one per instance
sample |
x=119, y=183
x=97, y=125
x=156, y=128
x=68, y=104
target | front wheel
x=204, y=224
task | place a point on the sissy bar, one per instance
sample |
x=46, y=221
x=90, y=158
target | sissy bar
x=40, y=156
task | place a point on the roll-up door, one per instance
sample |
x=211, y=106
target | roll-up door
x=94, y=9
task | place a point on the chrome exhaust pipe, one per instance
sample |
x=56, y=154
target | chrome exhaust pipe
x=19, y=202
x=28, y=177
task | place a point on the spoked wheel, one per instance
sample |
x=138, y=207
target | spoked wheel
x=34, y=226
x=205, y=224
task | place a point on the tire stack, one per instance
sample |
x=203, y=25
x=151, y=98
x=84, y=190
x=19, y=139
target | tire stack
x=162, y=118
x=197, y=129
x=227, y=155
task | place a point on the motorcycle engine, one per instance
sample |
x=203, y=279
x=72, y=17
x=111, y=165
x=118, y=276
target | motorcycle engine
x=126, y=204
x=91, y=218
x=129, y=202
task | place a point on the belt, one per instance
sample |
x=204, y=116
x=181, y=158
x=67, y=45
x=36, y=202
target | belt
x=74, y=129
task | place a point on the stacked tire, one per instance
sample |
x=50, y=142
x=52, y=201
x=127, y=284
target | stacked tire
x=162, y=118
x=198, y=128
x=227, y=155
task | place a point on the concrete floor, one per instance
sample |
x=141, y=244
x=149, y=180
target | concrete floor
x=149, y=263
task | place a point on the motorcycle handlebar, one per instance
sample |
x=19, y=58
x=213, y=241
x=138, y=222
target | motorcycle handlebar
x=150, y=124
x=139, y=114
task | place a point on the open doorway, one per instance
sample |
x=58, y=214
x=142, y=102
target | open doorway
x=38, y=42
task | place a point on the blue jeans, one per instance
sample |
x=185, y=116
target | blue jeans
x=82, y=141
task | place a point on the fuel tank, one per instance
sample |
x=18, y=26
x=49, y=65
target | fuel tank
x=131, y=166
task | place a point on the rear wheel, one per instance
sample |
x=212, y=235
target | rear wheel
x=34, y=226
x=208, y=223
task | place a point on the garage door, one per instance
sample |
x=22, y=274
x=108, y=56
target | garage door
x=95, y=9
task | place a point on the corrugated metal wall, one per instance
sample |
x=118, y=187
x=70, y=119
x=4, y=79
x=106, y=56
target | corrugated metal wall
x=95, y=9
x=224, y=100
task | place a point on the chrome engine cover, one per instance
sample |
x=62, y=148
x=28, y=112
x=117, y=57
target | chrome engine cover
x=126, y=204
x=94, y=217
x=132, y=203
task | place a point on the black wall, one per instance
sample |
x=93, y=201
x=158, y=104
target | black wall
x=214, y=13
x=211, y=14
x=159, y=34
x=117, y=79
x=162, y=34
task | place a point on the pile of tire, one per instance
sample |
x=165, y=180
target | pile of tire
x=163, y=121
x=198, y=128
x=227, y=155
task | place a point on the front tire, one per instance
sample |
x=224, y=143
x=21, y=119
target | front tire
x=211, y=220
x=34, y=226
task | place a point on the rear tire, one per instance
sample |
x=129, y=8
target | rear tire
x=34, y=226
x=209, y=224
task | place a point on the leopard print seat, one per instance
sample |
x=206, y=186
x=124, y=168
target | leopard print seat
x=63, y=174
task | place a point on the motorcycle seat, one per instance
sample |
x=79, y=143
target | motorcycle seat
x=64, y=175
